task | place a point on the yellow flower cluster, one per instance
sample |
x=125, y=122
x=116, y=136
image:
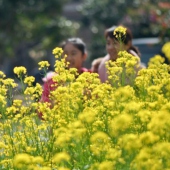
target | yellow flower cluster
x=20, y=71
x=57, y=52
x=124, y=70
x=10, y=82
x=157, y=59
x=166, y=50
x=2, y=75
x=119, y=32
x=121, y=124
x=43, y=64
x=29, y=80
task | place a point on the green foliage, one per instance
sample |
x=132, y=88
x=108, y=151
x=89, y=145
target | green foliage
x=32, y=25
x=144, y=18
x=105, y=12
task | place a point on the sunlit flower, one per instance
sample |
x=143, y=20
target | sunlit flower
x=100, y=142
x=22, y=159
x=20, y=71
x=57, y=52
x=120, y=32
x=106, y=165
x=29, y=80
x=166, y=50
x=10, y=83
x=17, y=103
x=157, y=59
x=62, y=156
x=120, y=124
x=43, y=65
x=2, y=74
x=148, y=138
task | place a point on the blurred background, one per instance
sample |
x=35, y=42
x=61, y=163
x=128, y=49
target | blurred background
x=30, y=29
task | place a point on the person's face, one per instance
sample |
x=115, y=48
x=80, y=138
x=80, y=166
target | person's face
x=74, y=56
x=113, y=47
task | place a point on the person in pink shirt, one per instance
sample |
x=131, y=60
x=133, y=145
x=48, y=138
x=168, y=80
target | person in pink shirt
x=112, y=48
x=75, y=49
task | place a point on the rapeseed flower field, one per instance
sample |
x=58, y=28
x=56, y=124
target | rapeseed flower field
x=123, y=124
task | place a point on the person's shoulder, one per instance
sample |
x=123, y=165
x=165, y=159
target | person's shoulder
x=133, y=53
x=97, y=61
x=104, y=60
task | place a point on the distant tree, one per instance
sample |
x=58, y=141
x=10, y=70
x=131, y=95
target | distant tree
x=29, y=29
x=144, y=18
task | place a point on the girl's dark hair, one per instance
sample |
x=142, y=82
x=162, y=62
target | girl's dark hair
x=77, y=42
x=127, y=38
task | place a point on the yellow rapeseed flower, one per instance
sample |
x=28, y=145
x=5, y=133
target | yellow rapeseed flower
x=3, y=100
x=100, y=142
x=2, y=145
x=63, y=138
x=106, y=165
x=156, y=60
x=63, y=168
x=10, y=83
x=30, y=149
x=29, y=91
x=21, y=160
x=144, y=115
x=120, y=124
x=20, y=71
x=37, y=91
x=166, y=50
x=62, y=156
x=57, y=52
x=45, y=168
x=98, y=124
x=148, y=137
x=43, y=65
x=88, y=115
x=144, y=160
x=113, y=154
x=17, y=103
x=163, y=149
x=120, y=32
x=29, y=80
x=2, y=75
x=11, y=110
x=159, y=123
x=127, y=141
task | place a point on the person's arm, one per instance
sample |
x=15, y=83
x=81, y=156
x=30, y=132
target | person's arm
x=102, y=71
x=95, y=64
